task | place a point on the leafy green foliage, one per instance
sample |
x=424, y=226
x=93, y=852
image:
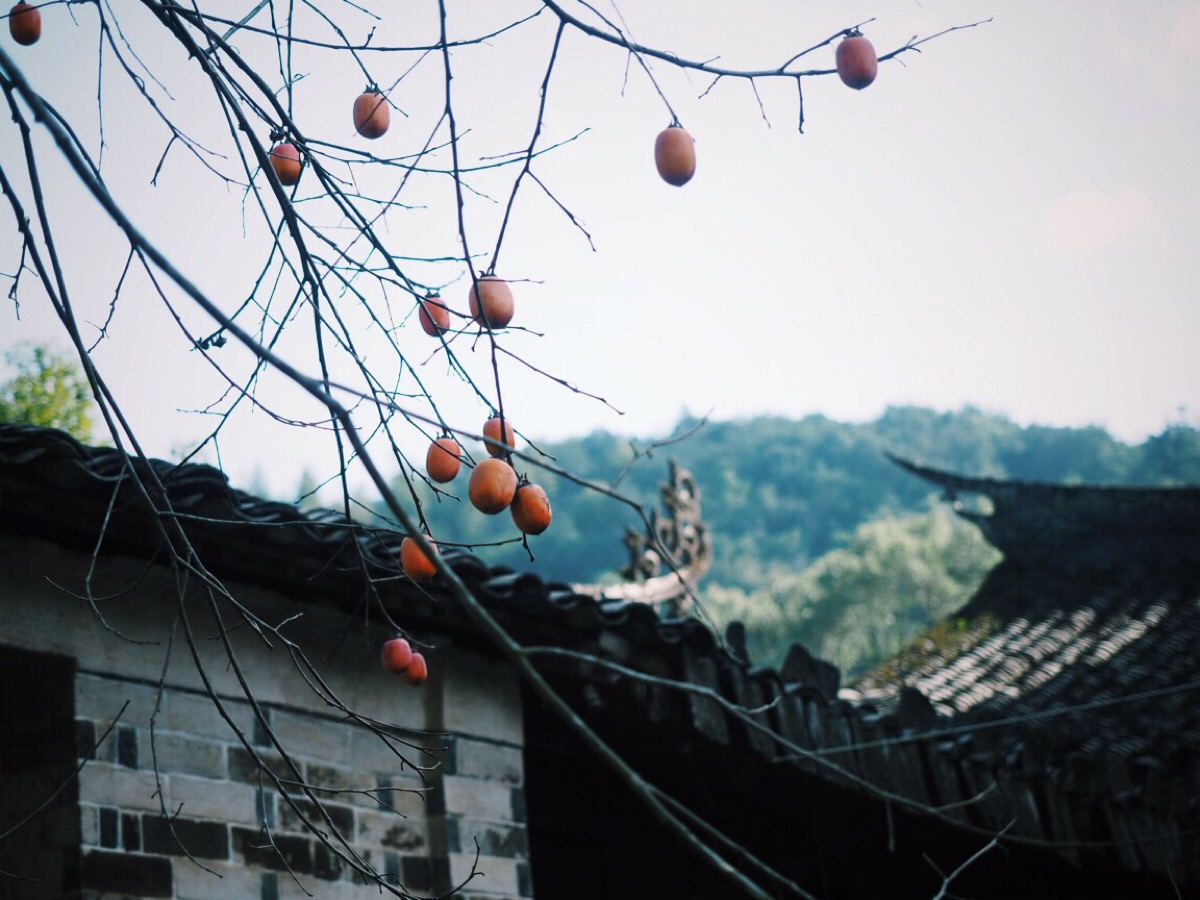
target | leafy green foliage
x=779, y=493
x=860, y=604
x=49, y=390
x=817, y=537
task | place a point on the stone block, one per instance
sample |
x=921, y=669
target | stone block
x=481, y=698
x=131, y=832
x=182, y=837
x=242, y=766
x=495, y=876
x=197, y=714
x=289, y=819
x=208, y=798
x=478, y=798
x=496, y=762
x=273, y=851
x=101, y=700
x=310, y=887
x=400, y=796
x=123, y=873
x=110, y=827
x=370, y=753
x=182, y=753
x=494, y=838
x=107, y=785
x=89, y=822
x=388, y=830
x=225, y=880
x=312, y=737
x=339, y=783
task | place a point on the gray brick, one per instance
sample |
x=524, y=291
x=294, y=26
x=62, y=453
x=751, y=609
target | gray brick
x=495, y=762
x=181, y=837
x=369, y=752
x=185, y=754
x=311, y=737
x=482, y=699
x=494, y=874
x=123, y=873
x=289, y=819
x=243, y=766
x=308, y=888
x=89, y=821
x=402, y=796
x=384, y=829
x=321, y=775
x=495, y=839
x=208, y=798
x=197, y=714
x=101, y=699
x=478, y=798
x=275, y=851
x=225, y=880
x=109, y=785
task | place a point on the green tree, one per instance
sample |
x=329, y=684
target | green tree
x=49, y=389
x=1172, y=457
x=861, y=604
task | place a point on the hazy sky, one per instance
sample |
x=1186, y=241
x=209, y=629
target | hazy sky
x=1008, y=219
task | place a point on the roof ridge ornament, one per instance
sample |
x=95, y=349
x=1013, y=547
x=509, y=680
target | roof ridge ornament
x=670, y=556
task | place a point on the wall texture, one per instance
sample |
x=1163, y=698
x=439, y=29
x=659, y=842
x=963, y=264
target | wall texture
x=173, y=799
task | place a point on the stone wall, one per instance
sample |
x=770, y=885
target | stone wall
x=171, y=802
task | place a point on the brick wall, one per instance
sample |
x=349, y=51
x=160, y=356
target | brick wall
x=171, y=803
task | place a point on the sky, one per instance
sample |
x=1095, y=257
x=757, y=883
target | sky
x=1008, y=219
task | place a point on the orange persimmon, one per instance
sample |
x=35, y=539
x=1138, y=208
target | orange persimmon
x=25, y=23
x=492, y=486
x=285, y=160
x=675, y=155
x=433, y=315
x=443, y=459
x=491, y=302
x=856, y=62
x=414, y=562
x=530, y=509
x=499, y=440
x=371, y=114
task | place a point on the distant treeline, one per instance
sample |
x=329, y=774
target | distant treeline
x=779, y=493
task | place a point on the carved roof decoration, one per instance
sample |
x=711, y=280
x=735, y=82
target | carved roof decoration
x=668, y=559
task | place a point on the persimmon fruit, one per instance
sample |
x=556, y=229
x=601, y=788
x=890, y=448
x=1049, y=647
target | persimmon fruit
x=492, y=486
x=396, y=655
x=675, y=155
x=371, y=114
x=285, y=160
x=530, y=509
x=433, y=315
x=491, y=302
x=857, y=65
x=25, y=23
x=417, y=671
x=498, y=435
x=414, y=562
x=443, y=459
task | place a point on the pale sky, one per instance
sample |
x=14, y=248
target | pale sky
x=1008, y=219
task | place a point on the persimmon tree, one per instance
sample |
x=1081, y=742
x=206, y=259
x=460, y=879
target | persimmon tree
x=299, y=197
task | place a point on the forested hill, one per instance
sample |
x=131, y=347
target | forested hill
x=778, y=493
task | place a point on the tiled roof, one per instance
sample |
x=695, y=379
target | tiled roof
x=53, y=486
x=1121, y=648
x=1114, y=638
x=1077, y=662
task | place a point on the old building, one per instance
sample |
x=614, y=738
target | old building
x=193, y=707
